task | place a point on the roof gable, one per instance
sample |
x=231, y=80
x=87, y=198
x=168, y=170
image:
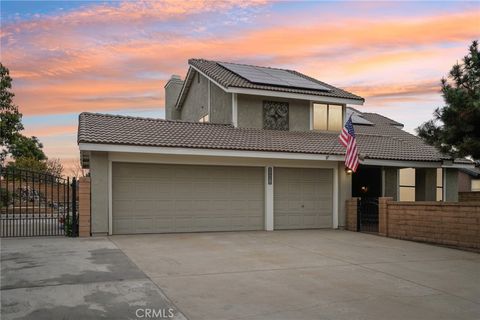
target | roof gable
x=230, y=82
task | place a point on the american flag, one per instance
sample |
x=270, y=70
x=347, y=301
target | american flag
x=347, y=138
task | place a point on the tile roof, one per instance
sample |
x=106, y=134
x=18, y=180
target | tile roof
x=229, y=79
x=380, y=141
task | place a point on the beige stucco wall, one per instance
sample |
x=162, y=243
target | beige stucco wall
x=250, y=112
x=451, y=185
x=195, y=105
x=99, y=170
x=172, y=91
x=99, y=192
x=391, y=182
x=220, y=105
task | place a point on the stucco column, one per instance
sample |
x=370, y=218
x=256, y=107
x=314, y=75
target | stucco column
x=450, y=183
x=269, y=198
x=99, y=173
x=425, y=184
x=344, y=193
x=391, y=175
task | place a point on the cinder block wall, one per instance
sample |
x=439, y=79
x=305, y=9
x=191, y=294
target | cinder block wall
x=469, y=196
x=351, y=214
x=454, y=224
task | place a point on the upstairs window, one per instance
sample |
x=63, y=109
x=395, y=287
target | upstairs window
x=205, y=118
x=327, y=117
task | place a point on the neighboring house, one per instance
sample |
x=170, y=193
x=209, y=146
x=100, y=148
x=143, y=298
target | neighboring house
x=469, y=179
x=249, y=148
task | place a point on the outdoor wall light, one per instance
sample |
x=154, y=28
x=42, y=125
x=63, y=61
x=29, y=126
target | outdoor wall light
x=348, y=171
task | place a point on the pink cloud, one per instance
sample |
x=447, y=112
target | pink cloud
x=93, y=59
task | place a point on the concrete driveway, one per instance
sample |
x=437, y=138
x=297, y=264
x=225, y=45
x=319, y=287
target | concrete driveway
x=65, y=278
x=307, y=275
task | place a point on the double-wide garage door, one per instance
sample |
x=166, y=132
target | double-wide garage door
x=157, y=198
x=161, y=198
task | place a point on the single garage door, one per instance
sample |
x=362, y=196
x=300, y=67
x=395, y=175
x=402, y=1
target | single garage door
x=154, y=198
x=303, y=198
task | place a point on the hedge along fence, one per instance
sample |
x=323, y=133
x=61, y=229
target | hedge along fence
x=32, y=193
x=455, y=224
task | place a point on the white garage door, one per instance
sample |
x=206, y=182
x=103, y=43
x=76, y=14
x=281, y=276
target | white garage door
x=154, y=198
x=303, y=198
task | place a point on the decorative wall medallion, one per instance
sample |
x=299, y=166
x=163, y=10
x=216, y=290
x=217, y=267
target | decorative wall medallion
x=275, y=115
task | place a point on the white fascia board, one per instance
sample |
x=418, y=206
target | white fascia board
x=209, y=78
x=270, y=93
x=401, y=163
x=234, y=110
x=459, y=166
x=207, y=152
x=300, y=96
x=183, y=87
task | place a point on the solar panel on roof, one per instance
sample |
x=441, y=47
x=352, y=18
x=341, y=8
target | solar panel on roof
x=274, y=77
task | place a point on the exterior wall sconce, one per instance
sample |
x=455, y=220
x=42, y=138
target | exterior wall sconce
x=348, y=171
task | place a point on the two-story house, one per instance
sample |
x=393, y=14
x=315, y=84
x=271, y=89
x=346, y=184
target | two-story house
x=249, y=148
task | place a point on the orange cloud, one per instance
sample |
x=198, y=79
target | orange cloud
x=398, y=89
x=69, y=70
x=49, y=131
x=126, y=13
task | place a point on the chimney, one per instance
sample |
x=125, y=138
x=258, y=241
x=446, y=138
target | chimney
x=172, y=91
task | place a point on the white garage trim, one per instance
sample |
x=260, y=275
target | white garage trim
x=207, y=152
x=234, y=110
x=110, y=198
x=269, y=189
x=335, y=198
x=269, y=198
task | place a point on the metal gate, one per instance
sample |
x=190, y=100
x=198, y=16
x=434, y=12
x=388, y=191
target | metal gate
x=367, y=214
x=36, y=204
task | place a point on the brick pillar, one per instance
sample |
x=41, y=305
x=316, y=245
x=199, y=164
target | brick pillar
x=352, y=214
x=84, y=207
x=383, y=216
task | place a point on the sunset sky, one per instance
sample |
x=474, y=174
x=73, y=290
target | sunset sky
x=115, y=57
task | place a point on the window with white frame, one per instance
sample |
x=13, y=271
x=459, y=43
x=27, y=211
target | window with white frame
x=439, y=184
x=407, y=184
x=475, y=184
x=327, y=117
x=205, y=118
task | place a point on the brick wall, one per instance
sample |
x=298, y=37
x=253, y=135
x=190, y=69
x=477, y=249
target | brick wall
x=84, y=207
x=351, y=215
x=454, y=224
x=469, y=196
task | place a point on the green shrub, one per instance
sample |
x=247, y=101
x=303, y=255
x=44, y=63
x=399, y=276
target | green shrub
x=6, y=197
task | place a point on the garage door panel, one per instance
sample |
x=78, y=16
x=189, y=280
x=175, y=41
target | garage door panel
x=302, y=198
x=183, y=198
x=123, y=225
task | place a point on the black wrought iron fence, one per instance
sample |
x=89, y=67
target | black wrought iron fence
x=37, y=204
x=367, y=214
